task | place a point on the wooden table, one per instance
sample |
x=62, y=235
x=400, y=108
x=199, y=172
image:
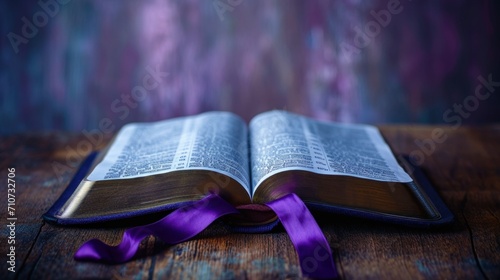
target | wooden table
x=465, y=169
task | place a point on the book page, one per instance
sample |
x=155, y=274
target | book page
x=215, y=141
x=282, y=141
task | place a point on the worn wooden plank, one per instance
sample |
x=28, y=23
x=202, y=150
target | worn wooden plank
x=466, y=160
x=37, y=187
x=468, y=249
x=231, y=256
x=464, y=169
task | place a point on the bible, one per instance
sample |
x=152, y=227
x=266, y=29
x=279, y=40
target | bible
x=160, y=166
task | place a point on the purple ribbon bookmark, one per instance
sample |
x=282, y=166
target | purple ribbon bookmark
x=180, y=225
x=314, y=251
x=184, y=223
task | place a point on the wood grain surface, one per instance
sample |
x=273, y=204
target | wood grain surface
x=464, y=168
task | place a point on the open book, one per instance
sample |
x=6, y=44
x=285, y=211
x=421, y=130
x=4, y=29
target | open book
x=158, y=166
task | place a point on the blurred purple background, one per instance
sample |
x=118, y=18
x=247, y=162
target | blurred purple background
x=67, y=66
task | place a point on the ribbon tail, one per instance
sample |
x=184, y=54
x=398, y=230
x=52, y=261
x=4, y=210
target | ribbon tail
x=180, y=225
x=314, y=252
